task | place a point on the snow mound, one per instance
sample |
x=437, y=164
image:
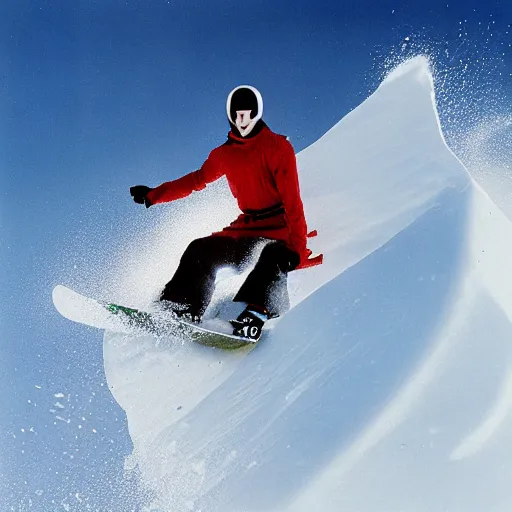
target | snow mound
x=388, y=386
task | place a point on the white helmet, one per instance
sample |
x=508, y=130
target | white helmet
x=244, y=108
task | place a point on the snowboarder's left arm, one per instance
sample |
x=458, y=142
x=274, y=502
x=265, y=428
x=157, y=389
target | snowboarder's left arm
x=210, y=171
x=287, y=181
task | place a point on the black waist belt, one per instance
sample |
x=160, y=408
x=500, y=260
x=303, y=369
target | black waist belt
x=264, y=213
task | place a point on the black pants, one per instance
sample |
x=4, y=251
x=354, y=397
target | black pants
x=193, y=283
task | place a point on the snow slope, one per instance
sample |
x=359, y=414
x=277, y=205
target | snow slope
x=388, y=386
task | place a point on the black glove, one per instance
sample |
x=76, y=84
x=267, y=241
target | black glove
x=287, y=259
x=293, y=260
x=139, y=193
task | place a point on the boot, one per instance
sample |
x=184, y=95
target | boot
x=249, y=323
x=180, y=311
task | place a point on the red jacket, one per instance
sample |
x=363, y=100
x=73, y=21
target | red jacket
x=262, y=174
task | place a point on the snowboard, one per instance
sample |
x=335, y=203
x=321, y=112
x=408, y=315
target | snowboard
x=117, y=318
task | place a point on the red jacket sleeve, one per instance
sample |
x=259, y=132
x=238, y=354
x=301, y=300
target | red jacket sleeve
x=210, y=171
x=287, y=181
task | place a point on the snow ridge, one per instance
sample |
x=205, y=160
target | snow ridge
x=387, y=386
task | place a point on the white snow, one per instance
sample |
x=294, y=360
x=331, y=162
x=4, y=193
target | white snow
x=388, y=386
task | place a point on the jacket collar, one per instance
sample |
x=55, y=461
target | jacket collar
x=235, y=138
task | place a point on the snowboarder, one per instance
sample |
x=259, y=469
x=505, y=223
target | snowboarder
x=261, y=171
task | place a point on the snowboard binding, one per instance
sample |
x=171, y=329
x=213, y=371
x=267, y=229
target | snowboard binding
x=249, y=323
x=179, y=311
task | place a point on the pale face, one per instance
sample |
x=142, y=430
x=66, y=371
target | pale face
x=243, y=118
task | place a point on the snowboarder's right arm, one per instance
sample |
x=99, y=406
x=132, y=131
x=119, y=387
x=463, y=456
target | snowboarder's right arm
x=210, y=171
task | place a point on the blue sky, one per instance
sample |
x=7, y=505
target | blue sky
x=97, y=96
